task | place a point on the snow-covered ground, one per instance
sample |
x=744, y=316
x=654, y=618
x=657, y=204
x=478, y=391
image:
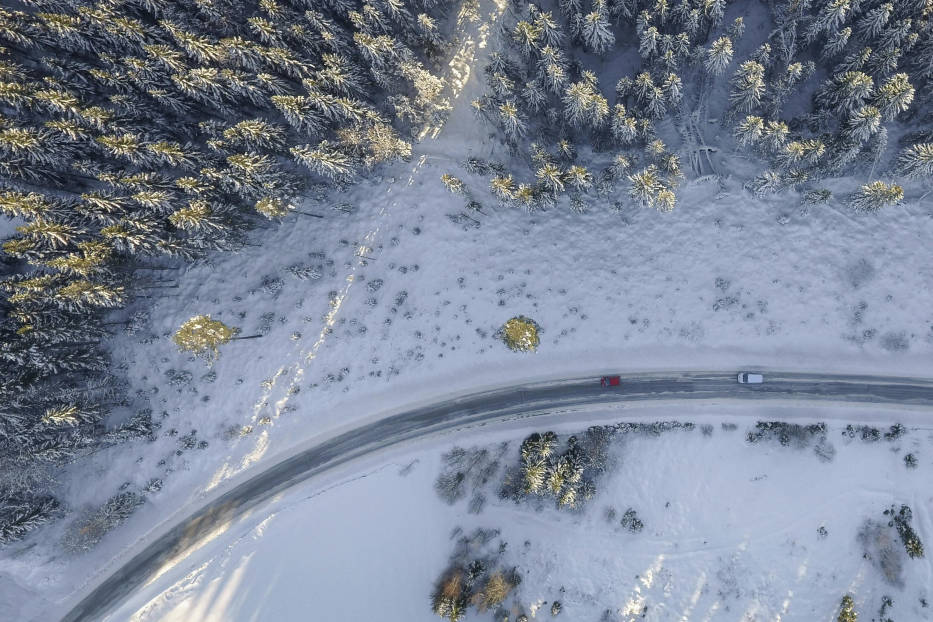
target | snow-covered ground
x=394, y=304
x=731, y=533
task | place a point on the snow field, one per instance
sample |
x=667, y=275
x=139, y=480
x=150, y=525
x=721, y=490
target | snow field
x=730, y=534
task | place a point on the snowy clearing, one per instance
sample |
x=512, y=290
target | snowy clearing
x=730, y=534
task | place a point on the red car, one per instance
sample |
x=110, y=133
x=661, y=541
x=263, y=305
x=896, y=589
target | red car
x=609, y=381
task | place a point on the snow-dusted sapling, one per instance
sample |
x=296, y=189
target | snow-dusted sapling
x=203, y=336
x=847, y=611
x=520, y=334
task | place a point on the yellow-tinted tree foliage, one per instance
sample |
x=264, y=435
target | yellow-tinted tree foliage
x=847, y=611
x=202, y=336
x=496, y=590
x=520, y=334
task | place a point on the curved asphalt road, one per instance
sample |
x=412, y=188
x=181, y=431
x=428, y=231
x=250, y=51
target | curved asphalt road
x=485, y=407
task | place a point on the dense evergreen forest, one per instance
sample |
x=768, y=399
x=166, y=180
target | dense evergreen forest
x=815, y=97
x=137, y=134
x=131, y=131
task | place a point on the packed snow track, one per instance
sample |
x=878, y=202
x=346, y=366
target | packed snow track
x=500, y=405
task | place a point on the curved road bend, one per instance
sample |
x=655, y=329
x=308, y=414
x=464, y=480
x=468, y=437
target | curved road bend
x=485, y=407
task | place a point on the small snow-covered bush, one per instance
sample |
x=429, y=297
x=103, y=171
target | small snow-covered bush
x=495, y=591
x=450, y=600
x=847, y=611
x=449, y=486
x=202, y=336
x=86, y=532
x=895, y=432
x=473, y=577
x=631, y=521
x=867, y=433
x=900, y=519
x=520, y=334
x=465, y=467
x=655, y=428
x=787, y=433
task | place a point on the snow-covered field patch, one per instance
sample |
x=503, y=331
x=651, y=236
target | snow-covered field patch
x=732, y=531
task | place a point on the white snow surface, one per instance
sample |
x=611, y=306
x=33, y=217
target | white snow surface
x=407, y=304
x=730, y=534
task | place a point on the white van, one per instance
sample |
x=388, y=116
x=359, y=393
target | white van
x=750, y=378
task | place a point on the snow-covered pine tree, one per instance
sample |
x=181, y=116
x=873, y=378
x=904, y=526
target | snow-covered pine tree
x=19, y=516
x=325, y=160
x=596, y=31
x=645, y=186
x=875, y=196
x=512, y=121
x=845, y=92
x=894, y=96
x=718, y=56
x=916, y=161
x=837, y=42
x=748, y=86
x=872, y=23
x=862, y=124
x=830, y=16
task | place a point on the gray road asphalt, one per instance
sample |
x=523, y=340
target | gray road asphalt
x=485, y=407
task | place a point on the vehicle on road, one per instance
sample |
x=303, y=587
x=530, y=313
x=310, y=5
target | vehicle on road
x=746, y=377
x=610, y=381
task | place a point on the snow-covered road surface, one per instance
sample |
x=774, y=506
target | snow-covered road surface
x=497, y=406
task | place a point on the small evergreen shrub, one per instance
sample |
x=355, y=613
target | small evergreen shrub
x=203, y=336
x=520, y=334
x=900, y=519
x=847, y=611
x=474, y=577
x=631, y=521
x=787, y=433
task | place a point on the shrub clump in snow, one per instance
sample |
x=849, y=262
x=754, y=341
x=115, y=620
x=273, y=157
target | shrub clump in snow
x=631, y=521
x=473, y=467
x=847, y=611
x=202, y=336
x=86, y=532
x=900, y=520
x=474, y=577
x=520, y=334
x=787, y=433
x=871, y=434
x=655, y=428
